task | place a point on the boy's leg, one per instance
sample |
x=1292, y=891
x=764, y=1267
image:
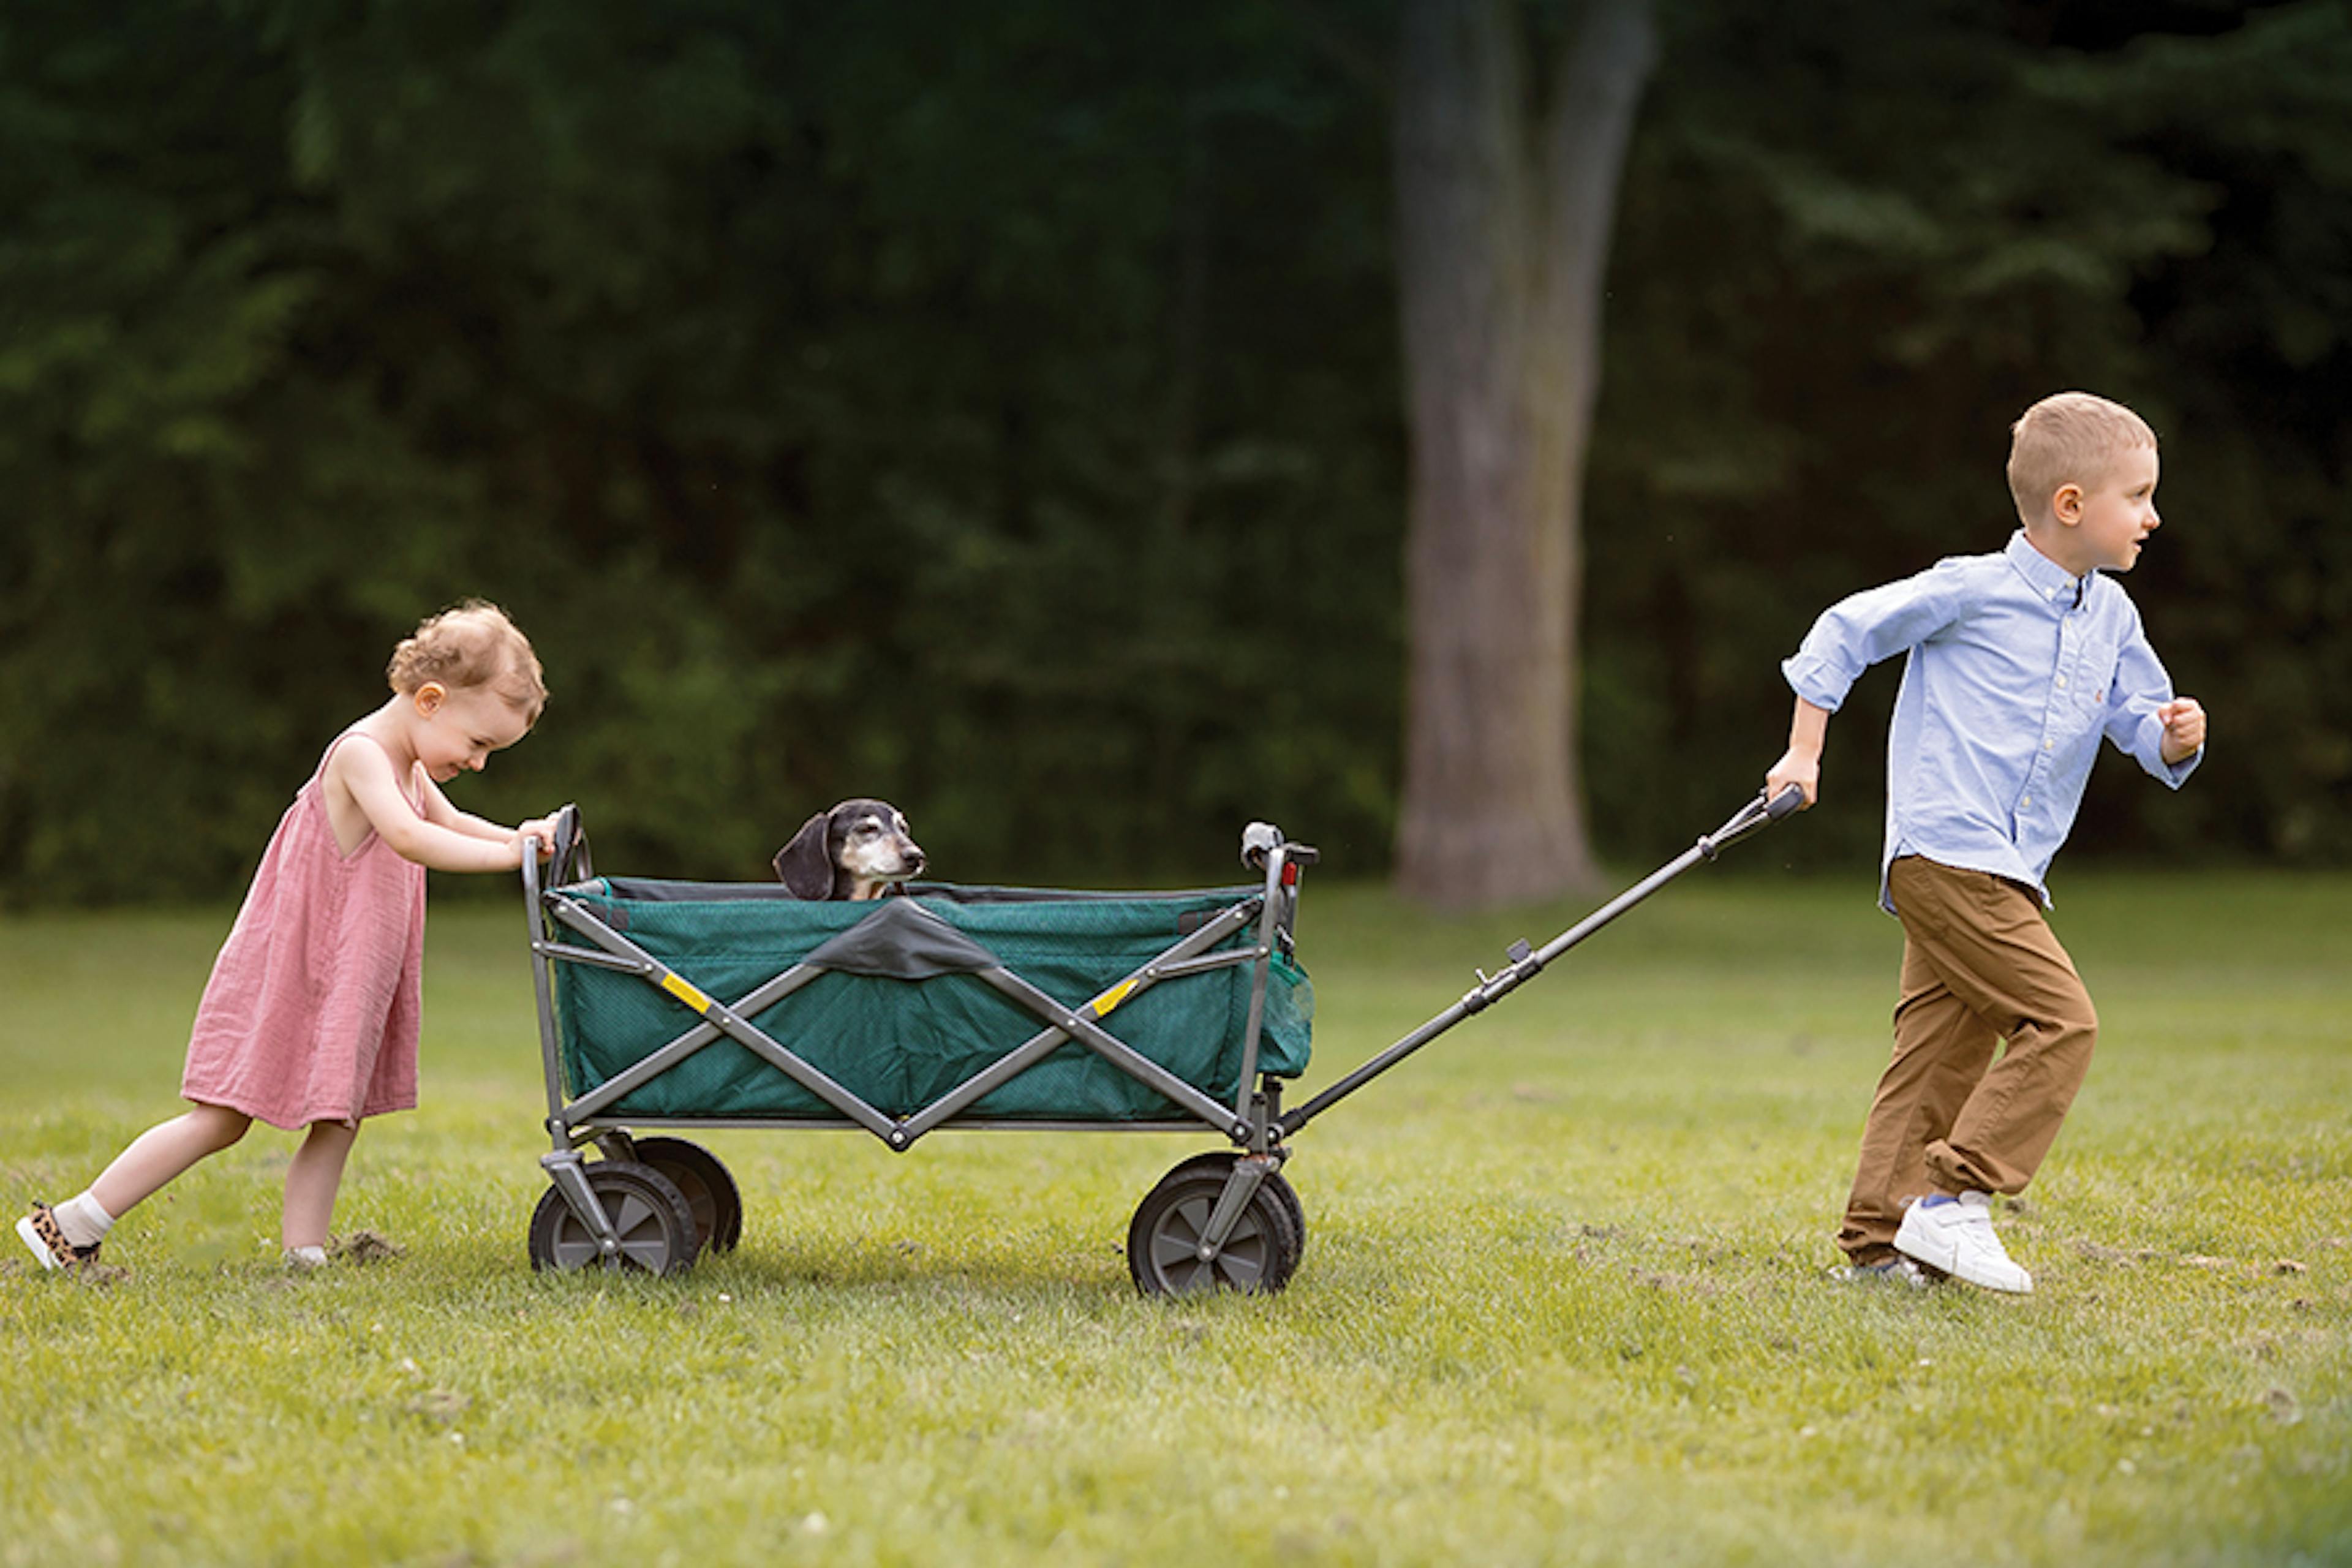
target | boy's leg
x=1941, y=1049
x=312, y=1179
x=2003, y=960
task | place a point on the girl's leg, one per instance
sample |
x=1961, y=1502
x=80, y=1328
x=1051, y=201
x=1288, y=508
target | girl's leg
x=162, y=1152
x=312, y=1179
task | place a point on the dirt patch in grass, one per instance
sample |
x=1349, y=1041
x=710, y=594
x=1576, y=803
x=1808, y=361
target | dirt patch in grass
x=364, y=1246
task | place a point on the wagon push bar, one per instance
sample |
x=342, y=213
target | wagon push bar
x=1526, y=962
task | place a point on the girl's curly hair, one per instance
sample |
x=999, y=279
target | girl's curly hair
x=473, y=644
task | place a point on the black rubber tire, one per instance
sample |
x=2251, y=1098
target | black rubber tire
x=654, y=1223
x=710, y=1192
x=1221, y=1160
x=1259, y=1256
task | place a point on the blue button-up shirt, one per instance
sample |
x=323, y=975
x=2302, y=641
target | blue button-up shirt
x=2016, y=669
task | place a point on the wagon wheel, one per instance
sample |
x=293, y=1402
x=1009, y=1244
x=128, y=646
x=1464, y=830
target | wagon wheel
x=646, y=1210
x=710, y=1191
x=1221, y=1160
x=1163, y=1240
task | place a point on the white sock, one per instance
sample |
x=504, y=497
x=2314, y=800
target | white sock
x=308, y=1257
x=83, y=1221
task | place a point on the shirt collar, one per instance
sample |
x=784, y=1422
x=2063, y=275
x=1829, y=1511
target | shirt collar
x=2051, y=583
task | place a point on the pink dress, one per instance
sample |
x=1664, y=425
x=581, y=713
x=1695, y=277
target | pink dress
x=312, y=1011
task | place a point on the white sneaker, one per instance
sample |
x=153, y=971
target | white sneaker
x=1957, y=1238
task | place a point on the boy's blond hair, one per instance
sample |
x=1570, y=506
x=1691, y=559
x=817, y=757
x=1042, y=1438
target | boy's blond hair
x=2068, y=438
x=471, y=645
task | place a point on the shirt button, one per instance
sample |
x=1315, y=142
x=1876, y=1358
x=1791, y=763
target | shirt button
x=2061, y=683
x=2047, y=744
x=2024, y=803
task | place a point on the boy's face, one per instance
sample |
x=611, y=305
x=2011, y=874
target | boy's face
x=2106, y=523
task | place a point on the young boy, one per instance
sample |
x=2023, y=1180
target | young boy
x=2018, y=663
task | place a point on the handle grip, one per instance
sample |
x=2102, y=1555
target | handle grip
x=568, y=858
x=1755, y=816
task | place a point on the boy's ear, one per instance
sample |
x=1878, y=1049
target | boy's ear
x=2066, y=504
x=429, y=698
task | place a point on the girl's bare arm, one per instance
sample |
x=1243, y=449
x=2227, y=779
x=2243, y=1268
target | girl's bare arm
x=368, y=774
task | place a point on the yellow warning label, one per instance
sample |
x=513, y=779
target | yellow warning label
x=1112, y=997
x=677, y=986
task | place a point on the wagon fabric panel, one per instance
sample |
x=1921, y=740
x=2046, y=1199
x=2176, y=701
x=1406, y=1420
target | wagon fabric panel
x=899, y=1017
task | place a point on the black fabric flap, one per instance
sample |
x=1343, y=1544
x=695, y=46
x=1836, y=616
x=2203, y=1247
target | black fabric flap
x=903, y=941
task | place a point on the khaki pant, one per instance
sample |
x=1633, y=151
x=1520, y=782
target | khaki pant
x=1979, y=966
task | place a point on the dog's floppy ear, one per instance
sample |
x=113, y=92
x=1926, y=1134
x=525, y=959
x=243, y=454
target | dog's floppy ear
x=803, y=866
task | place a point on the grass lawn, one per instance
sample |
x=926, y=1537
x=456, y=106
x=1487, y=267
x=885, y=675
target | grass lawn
x=1563, y=1302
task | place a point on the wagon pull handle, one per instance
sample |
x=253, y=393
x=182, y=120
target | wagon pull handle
x=1528, y=961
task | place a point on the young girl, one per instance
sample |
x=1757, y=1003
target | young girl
x=310, y=1017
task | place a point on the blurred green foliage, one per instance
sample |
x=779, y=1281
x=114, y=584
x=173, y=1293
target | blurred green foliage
x=995, y=407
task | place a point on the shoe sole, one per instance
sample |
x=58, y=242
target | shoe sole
x=40, y=1249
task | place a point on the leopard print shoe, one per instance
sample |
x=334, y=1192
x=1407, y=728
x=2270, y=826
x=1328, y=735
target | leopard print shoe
x=49, y=1243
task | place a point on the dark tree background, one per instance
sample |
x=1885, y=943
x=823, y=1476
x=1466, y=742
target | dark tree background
x=1001, y=408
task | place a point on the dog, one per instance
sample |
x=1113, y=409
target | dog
x=856, y=850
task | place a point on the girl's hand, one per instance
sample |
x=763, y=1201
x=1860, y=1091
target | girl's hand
x=543, y=830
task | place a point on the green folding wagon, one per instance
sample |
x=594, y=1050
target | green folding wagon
x=677, y=1006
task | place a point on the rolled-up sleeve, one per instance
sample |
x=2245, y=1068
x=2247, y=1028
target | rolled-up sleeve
x=1858, y=631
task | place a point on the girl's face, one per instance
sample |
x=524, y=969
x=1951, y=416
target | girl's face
x=458, y=731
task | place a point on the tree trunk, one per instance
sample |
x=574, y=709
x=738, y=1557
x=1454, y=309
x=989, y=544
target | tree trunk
x=1503, y=216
